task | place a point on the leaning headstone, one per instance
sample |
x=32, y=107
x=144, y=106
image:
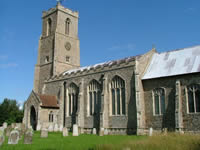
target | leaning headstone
x=28, y=137
x=14, y=137
x=61, y=128
x=165, y=131
x=5, y=125
x=44, y=133
x=56, y=129
x=94, y=131
x=38, y=127
x=50, y=129
x=150, y=131
x=101, y=132
x=75, y=130
x=65, y=132
x=106, y=132
x=1, y=137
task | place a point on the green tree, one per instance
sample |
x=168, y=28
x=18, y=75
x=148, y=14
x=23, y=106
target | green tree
x=10, y=112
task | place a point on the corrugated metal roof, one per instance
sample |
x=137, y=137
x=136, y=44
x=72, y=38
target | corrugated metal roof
x=173, y=63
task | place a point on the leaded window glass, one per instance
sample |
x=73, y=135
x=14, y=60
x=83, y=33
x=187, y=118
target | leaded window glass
x=159, y=101
x=194, y=98
x=118, y=94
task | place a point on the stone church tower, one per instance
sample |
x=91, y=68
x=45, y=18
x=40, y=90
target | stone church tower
x=59, y=48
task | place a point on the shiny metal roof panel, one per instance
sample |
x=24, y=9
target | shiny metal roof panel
x=177, y=62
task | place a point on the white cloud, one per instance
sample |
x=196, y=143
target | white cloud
x=3, y=57
x=8, y=65
x=20, y=103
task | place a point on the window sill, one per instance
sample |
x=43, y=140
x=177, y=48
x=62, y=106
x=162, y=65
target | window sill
x=193, y=113
x=118, y=115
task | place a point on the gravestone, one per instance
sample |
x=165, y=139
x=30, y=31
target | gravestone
x=5, y=125
x=75, y=130
x=44, y=133
x=56, y=129
x=14, y=137
x=50, y=129
x=13, y=125
x=8, y=130
x=106, y=132
x=65, y=132
x=28, y=136
x=38, y=127
x=165, y=130
x=94, y=131
x=101, y=132
x=1, y=137
x=2, y=129
x=150, y=131
x=61, y=128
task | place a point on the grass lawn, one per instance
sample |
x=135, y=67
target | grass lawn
x=56, y=141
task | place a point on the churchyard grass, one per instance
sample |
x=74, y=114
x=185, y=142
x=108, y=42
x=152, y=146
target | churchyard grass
x=171, y=141
x=56, y=141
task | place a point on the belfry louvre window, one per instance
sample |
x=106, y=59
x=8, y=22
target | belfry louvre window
x=118, y=96
x=94, y=93
x=67, y=26
x=49, y=25
x=72, y=99
x=159, y=101
x=51, y=116
x=194, y=98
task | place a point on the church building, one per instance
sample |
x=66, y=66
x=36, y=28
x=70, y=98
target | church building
x=126, y=96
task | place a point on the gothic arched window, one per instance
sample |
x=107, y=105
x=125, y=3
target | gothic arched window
x=159, y=101
x=118, y=96
x=193, y=98
x=72, y=99
x=51, y=116
x=67, y=26
x=49, y=25
x=94, y=101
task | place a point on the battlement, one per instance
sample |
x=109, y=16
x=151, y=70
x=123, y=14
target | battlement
x=61, y=8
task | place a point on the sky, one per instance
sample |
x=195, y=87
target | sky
x=108, y=30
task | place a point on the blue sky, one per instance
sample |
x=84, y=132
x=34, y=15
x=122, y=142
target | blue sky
x=108, y=30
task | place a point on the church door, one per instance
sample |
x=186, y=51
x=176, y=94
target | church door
x=33, y=118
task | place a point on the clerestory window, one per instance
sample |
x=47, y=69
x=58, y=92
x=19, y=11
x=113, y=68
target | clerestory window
x=159, y=101
x=193, y=98
x=118, y=96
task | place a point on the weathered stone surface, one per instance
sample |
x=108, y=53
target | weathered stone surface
x=105, y=131
x=28, y=137
x=65, y=132
x=150, y=131
x=5, y=125
x=2, y=129
x=50, y=129
x=94, y=131
x=1, y=137
x=75, y=130
x=14, y=137
x=56, y=129
x=101, y=132
x=44, y=133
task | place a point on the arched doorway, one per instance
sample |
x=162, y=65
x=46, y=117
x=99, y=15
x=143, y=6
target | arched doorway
x=33, y=118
